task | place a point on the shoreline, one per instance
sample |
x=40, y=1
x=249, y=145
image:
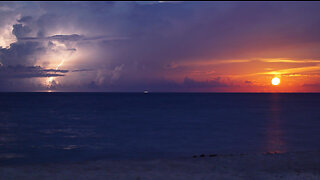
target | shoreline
x=290, y=165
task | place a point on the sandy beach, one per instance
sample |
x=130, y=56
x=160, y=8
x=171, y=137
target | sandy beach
x=294, y=165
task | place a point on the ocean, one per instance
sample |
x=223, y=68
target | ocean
x=64, y=127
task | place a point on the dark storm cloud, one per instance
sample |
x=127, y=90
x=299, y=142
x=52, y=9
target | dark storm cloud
x=70, y=38
x=20, y=30
x=29, y=72
x=21, y=53
x=28, y=49
x=82, y=70
x=25, y=19
x=25, y=51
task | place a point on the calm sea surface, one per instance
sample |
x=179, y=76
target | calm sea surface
x=47, y=127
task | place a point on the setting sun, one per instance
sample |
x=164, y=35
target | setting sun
x=275, y=81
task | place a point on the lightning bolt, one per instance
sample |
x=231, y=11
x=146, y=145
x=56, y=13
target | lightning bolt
x=50, y=79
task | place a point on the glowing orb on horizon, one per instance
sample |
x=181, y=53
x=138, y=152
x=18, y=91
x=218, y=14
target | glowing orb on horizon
x=275, y=81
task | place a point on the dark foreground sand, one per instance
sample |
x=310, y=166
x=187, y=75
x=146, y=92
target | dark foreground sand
x=289, y=166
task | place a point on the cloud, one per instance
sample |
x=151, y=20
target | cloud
x=158, y=85
x=191, y=83
x=24, y=53
x=71, y=38
x=29, y=72
x=25, y=19
x=82, y=70
x=20, y=30
x=61, y=38
x=105, y=76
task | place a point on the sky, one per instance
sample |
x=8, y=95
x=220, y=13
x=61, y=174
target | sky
x=159, y=46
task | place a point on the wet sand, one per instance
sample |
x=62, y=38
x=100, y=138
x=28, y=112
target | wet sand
x=290, y=166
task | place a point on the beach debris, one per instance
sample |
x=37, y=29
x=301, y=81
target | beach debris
x=203, y=155
x=213, y=155
x=272, y=152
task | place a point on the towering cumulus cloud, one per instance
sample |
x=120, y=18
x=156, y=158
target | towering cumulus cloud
x=158, y=46
x=18, y=61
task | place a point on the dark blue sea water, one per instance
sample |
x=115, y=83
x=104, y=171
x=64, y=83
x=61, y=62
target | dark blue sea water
x=50, y=127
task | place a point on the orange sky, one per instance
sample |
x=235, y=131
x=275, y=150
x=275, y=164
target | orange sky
x=254, y=75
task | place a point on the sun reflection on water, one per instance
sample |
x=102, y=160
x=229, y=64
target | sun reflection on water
x=275, y=132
